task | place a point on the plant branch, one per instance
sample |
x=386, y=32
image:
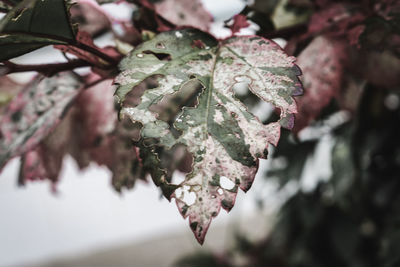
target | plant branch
x=72, y=42
x=45, y=69
x=286, y=32
x=97, y=52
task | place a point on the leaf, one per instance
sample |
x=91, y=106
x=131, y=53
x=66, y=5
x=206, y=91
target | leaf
x=89, y=134
x=34, y=113
x=336, y=19
x=146, y=18
x=33, y=24
x=100, y=138
x=238, y=22
x=45, y=160
x=185, y=13
x=90, y=17
x=323, y=62
x=8, y=89
x=225, y=139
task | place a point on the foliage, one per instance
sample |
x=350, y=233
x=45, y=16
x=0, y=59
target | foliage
x=210, y=130
x=179, y=110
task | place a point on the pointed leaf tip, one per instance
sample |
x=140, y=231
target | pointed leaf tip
x=223, y=137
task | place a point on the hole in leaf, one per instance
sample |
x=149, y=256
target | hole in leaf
x=169, y=108
x=160, y=56
x=132, y=99
x=188, y=197
x=226, y=183
x=178, y=177
x=178, y=193
x=177, y=161
x=254, y=104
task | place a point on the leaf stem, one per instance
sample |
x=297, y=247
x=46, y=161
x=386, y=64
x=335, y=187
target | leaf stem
x=96, y=51
x=286, y=32
x=45, y=69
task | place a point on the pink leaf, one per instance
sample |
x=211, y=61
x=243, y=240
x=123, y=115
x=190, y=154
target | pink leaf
x=185, y=13
x=34, y=113
x=322, y=63
x=45, y=161
x=224, y=139
x=335, y=19
x=90, y=17
x=239, y=22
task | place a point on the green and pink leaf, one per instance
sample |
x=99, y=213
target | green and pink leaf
x=223, y=137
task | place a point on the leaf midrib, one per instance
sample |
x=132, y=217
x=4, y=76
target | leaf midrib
x=210, y=89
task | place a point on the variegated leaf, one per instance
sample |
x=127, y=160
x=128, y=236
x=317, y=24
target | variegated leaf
x=34, y=113
x=185, y=13
x=224, y=138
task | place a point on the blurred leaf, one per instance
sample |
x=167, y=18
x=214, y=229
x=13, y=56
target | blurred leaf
x=8, y=89
x=35, y=112
x=33, y=24
x=90, y=17
x=185, y=13
x=323, y=64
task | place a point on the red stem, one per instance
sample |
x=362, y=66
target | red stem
x=97, y=52
x=45, y=69
x=286, y=32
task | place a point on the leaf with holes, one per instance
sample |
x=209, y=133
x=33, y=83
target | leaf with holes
x=223, y=137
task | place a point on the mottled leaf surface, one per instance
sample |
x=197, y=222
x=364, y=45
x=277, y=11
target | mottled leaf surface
x=8, y=89
x=185, y=13
x=90, y=17
x=45, y=160
x=224, y=138
x=89, y=132
x=34, y=113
